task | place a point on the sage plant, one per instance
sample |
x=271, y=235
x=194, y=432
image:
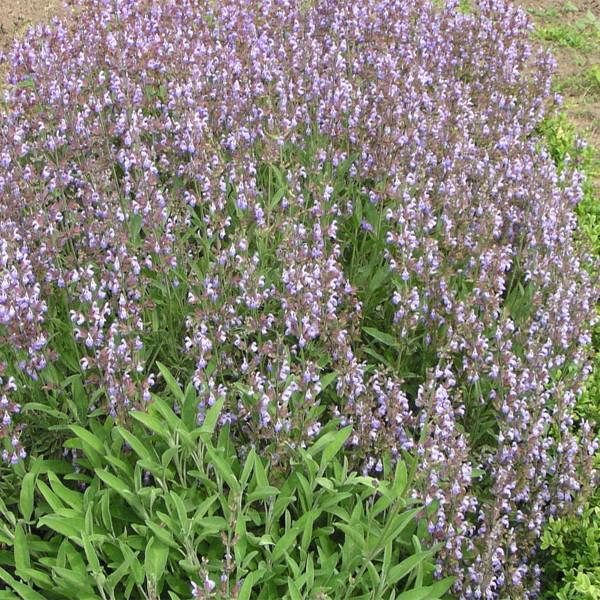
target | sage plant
x=316, y=210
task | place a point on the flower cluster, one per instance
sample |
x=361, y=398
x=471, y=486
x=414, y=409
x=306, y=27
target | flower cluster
x=313, y=210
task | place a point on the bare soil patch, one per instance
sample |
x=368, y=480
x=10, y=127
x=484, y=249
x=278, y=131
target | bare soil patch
x=17, y=15
x=571, y=28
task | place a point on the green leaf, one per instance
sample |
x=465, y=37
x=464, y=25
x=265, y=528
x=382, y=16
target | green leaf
x=64, y=525
x=381, y=276
x=284, y=543
x=382, y=359
x=136, y=445
x=181, y=510
x=118, y=486
x=212, y=416
x=162, y=534
x=22, y=560
x=171, y=383
x=214, y=523
x=402, y=569
x=150, y=422
x=277, y=196
x=399, y=523
x=380, y=336
x=166, y=412
x=71, y=497
x=400, y=478
x=337, y=442
x=9, y=516
x=24, y=591
x=249, y=582
x=132, y=562
x=439, y=588
x=89, y=438
x=223, y=469
x=90, y=554
x=353, y=533
x=189, y=411
x=38, y=578
x=293, y=590
x=248, y=466
x=81, y=582
x=261, y=493
x=26, y=495
x=26, y=84
x=51, y=498
x=421, y=593
x=155, y=559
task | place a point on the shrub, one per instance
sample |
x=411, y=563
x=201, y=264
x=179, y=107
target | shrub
x=320, y=212
x=164, y=505
x=571, y=546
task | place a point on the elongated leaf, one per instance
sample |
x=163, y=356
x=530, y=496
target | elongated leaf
x=51, y=498
x=165, y=412
x=212, y=416
x=155, y=561
x=353, y=533
x=71, y=497
x=293, y=590
x=119, y=486
x=80, y=582
x=380, y=336
x=336, y=444
x=189, y=412
x=90, y=554
x=89, y=438
x=132, y=561
x=248, y=466
x=64, y=525
x=402, y=569
x=22, y=560
x=249, y=582
x=23, y=590
x=421, y=593
x=400, y=523
x=172, y=384
x=152, y=423
x=26, y=495
x=223, y=469
x=284, y=543
x=136, y=445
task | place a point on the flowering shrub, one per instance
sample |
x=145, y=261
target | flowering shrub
x=315, y=210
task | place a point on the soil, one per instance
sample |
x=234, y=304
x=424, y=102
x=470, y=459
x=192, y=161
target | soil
x=17, y=15
x=575, y=65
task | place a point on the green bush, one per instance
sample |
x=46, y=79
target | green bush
x=153, y=508
x=573, y=548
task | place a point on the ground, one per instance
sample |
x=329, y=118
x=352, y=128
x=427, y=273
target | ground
x=572, y=29
x=17, y=15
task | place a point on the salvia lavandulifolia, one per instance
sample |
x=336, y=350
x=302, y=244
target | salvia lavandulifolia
x=232, y=169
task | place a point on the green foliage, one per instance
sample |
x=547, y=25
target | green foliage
x=152, y=508
x=583, y=34
x=573, y=549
